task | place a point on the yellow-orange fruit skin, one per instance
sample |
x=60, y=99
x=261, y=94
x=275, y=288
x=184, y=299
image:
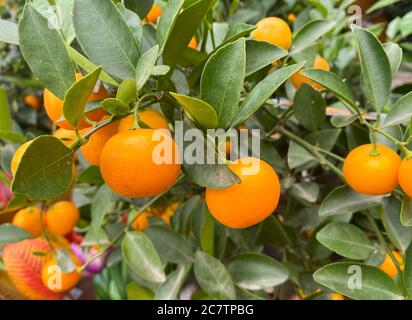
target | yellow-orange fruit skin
x=33, y=102
x=248, y=203
x=93, y=148
x=128, y=167
x=68, y=279
x=389, y=267
x=372, y=175
x=274, y=31
x=149, y=116
x=62, y=217
x=405, y=176
x=29, y=219
x=17, y=157
x=141, y=223
x=298, y=79
x=24, y=268
x=193, y=43
x=154, y=13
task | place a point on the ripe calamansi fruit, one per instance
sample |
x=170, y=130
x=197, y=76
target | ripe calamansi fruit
x=275, y=31
x=154, y=13
x=298, y=79
x=250, y=202
x=54, y=108
x=193, y=43
x=33, y=102
x=56, y=280
x=66, y=136
x=389, y=267
x=93, y=148
x=291, y=17
x=141, y=223
x=29, y=219
x=62, y=217
x=149, y=116
x=369, y=173
x=17, y=157
x=130, y=163
x=405, y=176
x=336, y=296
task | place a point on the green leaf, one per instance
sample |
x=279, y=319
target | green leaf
x=222, y=89
x=171, y=246
x=160, y=70
x=406, y=212
x=91, y=175
x=136, y=292
x=5, y=116
x=256, y=271
x=77, y=97
x=375, y=284
x=207, y=233
x=272, y=232
x=381, y=4
x=105, y=37
x=10, y=233
x=134, y=23
x=407, y=272
x=115, y=106
x=260, y=54
x=141, y=256
x=263, y=91
x=9, y=32
x=145, y=67
x=346, y=240
x=45, y=171
x=309, y=33
x=309, y=107
x=45, y=52
x=332, y=82
x=394, y=53
x=375, y=68
x=64, y=260
x=213, y=277
x=199, y=111
x=401, y=111
x=141, y=7
x=101, y=206
x=183, y=30
x=340, y=121
x=306, y=190
x=167, y=22
x=345, y=200
x=170, y=289
x=89, y=66
x=238, y=30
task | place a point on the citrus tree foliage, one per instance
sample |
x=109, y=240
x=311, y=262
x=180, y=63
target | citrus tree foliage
x=322, y=233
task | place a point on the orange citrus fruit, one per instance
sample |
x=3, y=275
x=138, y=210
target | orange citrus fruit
x=130, y=163
x=149, y=116
x=249, y=202
x=68, y=280
x=389, y=267
x=29, y=219
x=62, y=217
x=369, y=173
x=66, y=136
x=193, y=43
x=405, y=176
x=93, y=148
x=298, y=79
x=291, y=17
x=54, y=108
x=336, y=296
x=154, y=13
x=33, y=102
x=15, y=161
x=141, y=223
x=273, y=30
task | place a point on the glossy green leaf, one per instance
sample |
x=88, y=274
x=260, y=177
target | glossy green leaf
x=260, y=54
x=401, y=111
x=45, y=171
x=407, y=272
x=373, y=283
x=9, y=32
x=115, y=106
x=306, y=190
x=345, y=200
x=199, y=111
x=309, y=33
x=256, y=271
x=263, y=91
x=406, y=212
x=375, y=68
x=10, y=233
x=141, y=7
x=101, y=206
x=141, y=256
x=45, y=52
x=394, y=53
x=171, y=246
x=106, y=39
x=346, y=240
x=134, y=22
x=309, y=107
x=207, y=233
x=137, y=292
x=145, y=67
x=5, y=116
x=213, y=277
x=167, y=22
x=222, y=89
x=170, y=289
x=77, y=97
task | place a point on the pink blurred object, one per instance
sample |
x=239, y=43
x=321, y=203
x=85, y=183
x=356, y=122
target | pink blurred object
x=5, y=193
x=83, y=254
